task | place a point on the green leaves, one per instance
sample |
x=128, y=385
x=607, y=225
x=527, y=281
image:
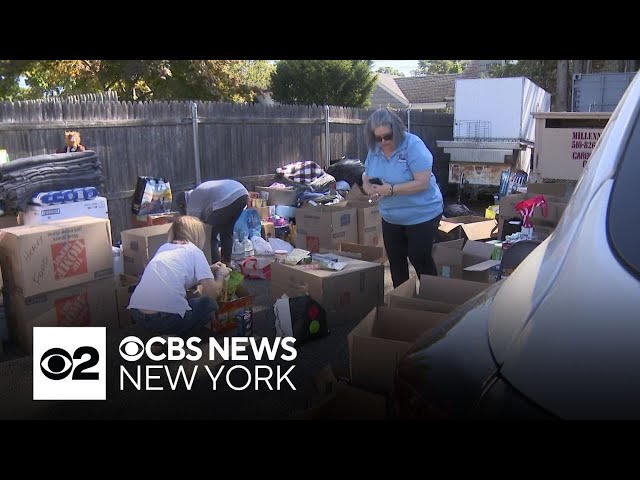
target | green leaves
x=215, y=80
x=347, y=83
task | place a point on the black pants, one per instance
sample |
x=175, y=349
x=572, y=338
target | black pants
x=413, y=241
x=222, y=222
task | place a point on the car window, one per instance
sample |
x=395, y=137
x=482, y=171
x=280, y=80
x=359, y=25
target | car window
x=623, y=222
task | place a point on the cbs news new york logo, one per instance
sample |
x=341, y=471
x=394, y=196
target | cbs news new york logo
x=69, y=363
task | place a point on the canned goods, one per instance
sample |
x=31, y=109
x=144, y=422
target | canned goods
x=244, y=322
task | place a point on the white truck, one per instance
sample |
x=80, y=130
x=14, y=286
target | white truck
x=494, y=130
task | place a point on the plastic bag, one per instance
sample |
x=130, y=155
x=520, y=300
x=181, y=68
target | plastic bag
x=248, y=220
x=152, y=195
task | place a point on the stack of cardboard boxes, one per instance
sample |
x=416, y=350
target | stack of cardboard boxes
x=57, y=274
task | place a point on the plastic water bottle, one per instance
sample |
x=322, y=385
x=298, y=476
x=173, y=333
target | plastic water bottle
x=247, y=245
x=237, y=251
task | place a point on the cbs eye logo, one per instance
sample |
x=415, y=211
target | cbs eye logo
x=57, y=364
x=69, y=363
x=131, y=349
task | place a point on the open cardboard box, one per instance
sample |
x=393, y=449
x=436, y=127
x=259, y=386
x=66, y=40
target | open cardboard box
x=470, y=227
x=334, y=399
x=368, y=253
x=380, y=340
x=467, y=260
x=436, y=294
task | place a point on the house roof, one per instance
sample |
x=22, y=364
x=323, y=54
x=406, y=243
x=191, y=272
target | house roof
x=427, y=88
x=424, y=90
x=387, y=93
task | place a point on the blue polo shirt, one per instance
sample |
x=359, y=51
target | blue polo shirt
x=412, y=155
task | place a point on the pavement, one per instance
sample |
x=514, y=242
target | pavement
x=199, y=400
x=195, y=399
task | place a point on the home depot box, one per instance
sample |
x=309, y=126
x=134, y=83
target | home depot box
x=436, y=294
x=326, y=226
x=380, y=340
x=470, y=227
x=41, y=258
x=39, y=214
x=139, y=245
x=468, y=260
x=345, y=295
x=91, y=304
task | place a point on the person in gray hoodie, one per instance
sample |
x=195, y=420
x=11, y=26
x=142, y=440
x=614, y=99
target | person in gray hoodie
x=218, y=203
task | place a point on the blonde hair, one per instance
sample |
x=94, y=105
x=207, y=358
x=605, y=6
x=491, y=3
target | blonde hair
x=187, y=228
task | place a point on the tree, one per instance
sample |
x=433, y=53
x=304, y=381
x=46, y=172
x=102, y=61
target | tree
x=347, y=83
x=426, y=67
x=216, y=80
x=390, y=71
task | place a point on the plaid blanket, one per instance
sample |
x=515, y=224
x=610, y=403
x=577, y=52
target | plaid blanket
x=301, y=172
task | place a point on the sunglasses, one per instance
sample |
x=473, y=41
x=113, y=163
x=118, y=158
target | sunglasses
x=386, y=138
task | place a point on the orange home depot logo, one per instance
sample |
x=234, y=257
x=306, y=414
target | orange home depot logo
x=69, y=258
x=73, y=311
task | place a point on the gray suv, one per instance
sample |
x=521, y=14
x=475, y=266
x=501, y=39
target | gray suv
x=560, y=337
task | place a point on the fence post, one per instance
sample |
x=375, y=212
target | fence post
x=327, y=138
x=196, y=146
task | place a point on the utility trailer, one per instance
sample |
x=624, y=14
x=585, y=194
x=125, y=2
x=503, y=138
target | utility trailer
x=493, y=130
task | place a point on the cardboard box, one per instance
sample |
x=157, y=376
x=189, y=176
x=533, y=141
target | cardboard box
x=369, y=218
x=381, y=339
x=333, y=399
x=470, y=227
x=40, y=214
x=41, y=258
x=368, y=253
x=326, y=226
x=8, y=221
x=468, y=260
x=227, y=316
x=139, y=245
x=91, y=304
x=436, y=294
x=347, y=295
x=124, y=286
x=542, y=226
x=280, y=196
x=268, y=230
x=161, y=218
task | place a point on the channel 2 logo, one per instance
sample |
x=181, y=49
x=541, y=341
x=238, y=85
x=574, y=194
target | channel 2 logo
x=69, y=363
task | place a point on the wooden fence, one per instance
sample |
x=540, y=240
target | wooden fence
x=241, y=141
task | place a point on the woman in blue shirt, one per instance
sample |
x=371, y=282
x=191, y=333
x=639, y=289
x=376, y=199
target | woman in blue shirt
x=410, y=200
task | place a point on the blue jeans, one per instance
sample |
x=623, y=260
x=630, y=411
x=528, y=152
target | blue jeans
x=162, y=323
